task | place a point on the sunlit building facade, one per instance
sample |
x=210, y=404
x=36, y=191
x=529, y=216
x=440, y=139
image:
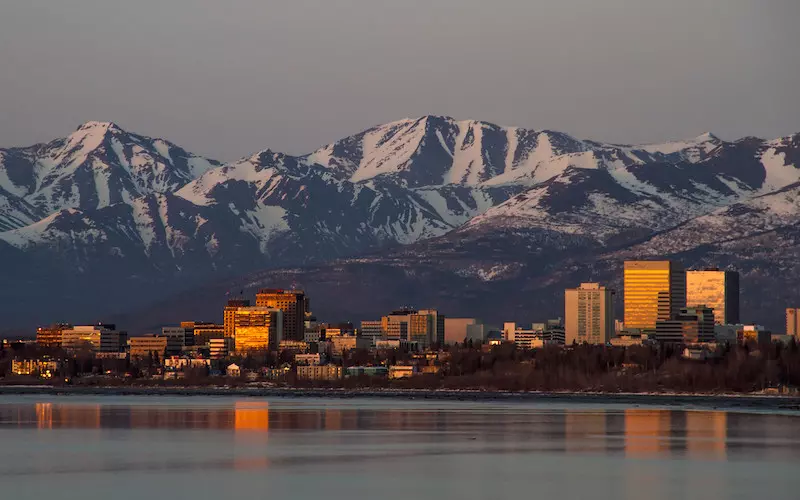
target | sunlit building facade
x=589, y=314
x=229, y=314
x=257, y=328
x=51, y=336
x=654, y=290
x=793, y=321
x=716, y=289
x=84, y=337
x=292, y=303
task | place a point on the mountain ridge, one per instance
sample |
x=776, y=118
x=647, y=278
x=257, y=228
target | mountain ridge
x=105, y=205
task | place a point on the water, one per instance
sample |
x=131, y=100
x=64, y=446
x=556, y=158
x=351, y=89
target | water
x=218, y=448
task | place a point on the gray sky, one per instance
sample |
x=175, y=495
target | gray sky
x=228, y=78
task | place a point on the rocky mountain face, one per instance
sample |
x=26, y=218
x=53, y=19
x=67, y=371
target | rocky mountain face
x=469, y=216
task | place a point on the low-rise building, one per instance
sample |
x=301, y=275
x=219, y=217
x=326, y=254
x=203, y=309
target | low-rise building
x=538, y=336
x=308, y=359
x=753, y=333
x=183, y=363
x=629, y=339
x=220, y=348
x=298, y=346
x=402, y=371
x=319, y=372
x=366, y=371
x=146, y=345
x=233, y=370
x=344, y=343
x=44, y=368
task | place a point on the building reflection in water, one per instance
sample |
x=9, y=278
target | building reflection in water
x=251, y=416
x=634, y=433
x=706, y=434
x=647, y=432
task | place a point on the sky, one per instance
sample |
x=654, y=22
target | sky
x=226, y=79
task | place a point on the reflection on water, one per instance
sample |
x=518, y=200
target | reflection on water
x=207, y=448
x=634, y=433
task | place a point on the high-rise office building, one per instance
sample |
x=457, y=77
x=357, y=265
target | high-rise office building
x=589, y=314
x=50, y=336
x=427, y=327
x=793, y=321
x=716, y=289
x=293, y=303
x=654, y=290
x=690, y=325
x=230, y=313
x=257, y=328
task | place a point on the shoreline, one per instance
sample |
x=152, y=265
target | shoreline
x=708, y=401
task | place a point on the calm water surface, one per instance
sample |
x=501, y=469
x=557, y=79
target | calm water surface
x=217, y=448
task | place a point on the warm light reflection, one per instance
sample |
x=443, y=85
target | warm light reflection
x=584, y=431
x=44, y=415
x=646, y=432
x=251, y=416
x=706, y=433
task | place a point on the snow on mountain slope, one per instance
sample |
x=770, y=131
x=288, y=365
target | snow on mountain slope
x=96, y=166
x=489, y=200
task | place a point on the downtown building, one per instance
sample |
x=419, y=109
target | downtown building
x=589, y=314
x=257, y=328
x=716, y=289
x=793, y=322
x=691, y=325
x=425, y=327
x=229, y=315
x=292, y=303
x=88, y=337
x=653, y=291
x=51, y=336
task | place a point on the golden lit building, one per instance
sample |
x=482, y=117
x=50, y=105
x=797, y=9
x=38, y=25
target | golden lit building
x=51, y=336
x=716, y=289
x=292, y=303
x=257, y=328
x=84, y=337
x=793, y=322
x=44, y=368
x=654, y=290
x=588, y=314
x=229, y=315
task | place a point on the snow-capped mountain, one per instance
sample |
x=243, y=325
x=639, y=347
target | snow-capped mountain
x=96, y=166
x=483, y=204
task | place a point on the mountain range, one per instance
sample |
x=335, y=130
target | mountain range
x=467, y=216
